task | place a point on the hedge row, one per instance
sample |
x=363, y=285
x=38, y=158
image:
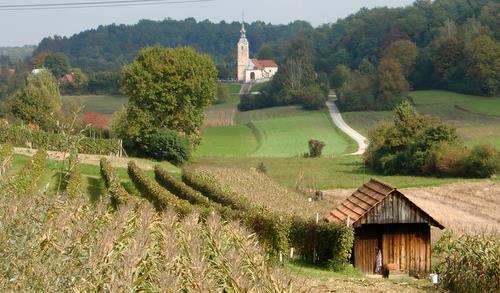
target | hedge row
x=324, y=242
x=183, y=191
x=113, y=184
x=156, y=194
x=26, y=180
x=74, y=177
x=20, y=136
x=269, y=230
x=5, y=157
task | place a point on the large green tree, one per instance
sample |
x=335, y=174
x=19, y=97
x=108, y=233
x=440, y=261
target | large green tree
x=168, y=89
x=392, y=85
x=37, y=102
x=484, y=65
x=57, y=63
x=405, y=52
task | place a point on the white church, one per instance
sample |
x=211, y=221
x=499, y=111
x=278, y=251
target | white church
x=252, y=70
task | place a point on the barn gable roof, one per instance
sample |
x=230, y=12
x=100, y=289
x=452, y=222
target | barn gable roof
x=366, y=203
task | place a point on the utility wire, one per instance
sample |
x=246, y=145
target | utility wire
x=94, y=4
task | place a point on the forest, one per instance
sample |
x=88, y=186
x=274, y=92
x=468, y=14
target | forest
x=372, y=58
x=109, y=47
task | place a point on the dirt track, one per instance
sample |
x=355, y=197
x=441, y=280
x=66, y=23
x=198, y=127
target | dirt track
x=461, y=207
x=340, y=123
x=117, y=162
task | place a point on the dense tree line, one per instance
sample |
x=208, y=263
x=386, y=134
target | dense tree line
x=447, y=44
x=109, y=47
x=372, y=58
x=10, y=55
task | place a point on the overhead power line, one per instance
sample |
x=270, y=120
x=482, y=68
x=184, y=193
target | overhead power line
x=95, y=4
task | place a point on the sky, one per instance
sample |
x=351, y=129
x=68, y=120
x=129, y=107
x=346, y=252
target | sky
x=19, y=28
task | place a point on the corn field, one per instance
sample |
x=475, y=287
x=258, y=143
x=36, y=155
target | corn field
x=469, y=263
x=57, y=243
x=262, y=192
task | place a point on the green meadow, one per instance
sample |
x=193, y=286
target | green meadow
x=281, y=135
x=327, y=172
x=102, y=104
x=237, y=140
x=274, y=132
x=278, y=138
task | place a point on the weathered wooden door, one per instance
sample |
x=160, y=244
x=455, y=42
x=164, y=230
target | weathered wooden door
x=394, y=250
x=407, y=247
x=366, y=245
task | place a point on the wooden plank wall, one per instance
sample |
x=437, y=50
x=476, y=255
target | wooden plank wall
x=367, y=242
x=394, y=209
x=407, y=246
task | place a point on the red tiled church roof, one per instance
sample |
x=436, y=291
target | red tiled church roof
x=261, y=64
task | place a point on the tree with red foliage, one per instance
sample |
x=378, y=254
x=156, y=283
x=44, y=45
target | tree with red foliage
x=98, y=121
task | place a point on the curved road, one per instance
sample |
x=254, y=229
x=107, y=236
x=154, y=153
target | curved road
x=339, y=121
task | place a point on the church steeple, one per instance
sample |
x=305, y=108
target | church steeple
x=243, y=31
x=243, y=52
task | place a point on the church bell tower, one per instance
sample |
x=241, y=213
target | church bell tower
x=243, y=53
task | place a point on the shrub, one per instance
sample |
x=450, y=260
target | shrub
x=113, y=184
x=18, y=135
x=482, y=162
x=252, y=102
x=446, y=160
x=456, y=160
x=27, y=179
x=326, y=243
x=170, y=146
x=159, y=197
x=261, y=167
x=6, y=151
x=73, y=177
x=315, y=148
x=470, y=263
x=405, y=145
x=313, y=98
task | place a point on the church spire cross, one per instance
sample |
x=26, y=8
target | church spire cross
x=243, y=31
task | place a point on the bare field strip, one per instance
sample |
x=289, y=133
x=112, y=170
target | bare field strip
x=471, y=207
x=219, y=117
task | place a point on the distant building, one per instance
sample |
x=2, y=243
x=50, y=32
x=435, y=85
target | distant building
x=252, y=70
x=38, y=71
x=68, y=78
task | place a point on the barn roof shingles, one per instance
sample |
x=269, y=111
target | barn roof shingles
x=363, y=200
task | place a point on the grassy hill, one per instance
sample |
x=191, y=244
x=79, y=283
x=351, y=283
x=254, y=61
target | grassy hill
x=274, y=132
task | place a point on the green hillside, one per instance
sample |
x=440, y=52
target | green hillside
x=476, y=118
x=274, y=132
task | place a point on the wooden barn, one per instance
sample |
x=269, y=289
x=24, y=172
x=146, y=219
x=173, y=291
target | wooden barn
x=385, y=220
